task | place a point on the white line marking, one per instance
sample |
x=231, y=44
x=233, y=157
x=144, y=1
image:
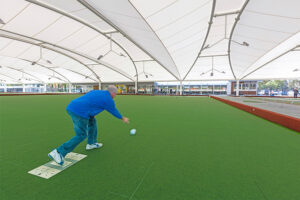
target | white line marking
x=136, y=189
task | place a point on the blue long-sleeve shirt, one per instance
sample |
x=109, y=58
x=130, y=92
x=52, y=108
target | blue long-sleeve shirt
x=93, y=103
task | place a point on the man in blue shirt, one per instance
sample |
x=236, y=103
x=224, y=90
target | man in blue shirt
x=83, y=111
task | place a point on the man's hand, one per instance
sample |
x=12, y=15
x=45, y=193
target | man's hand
x=125, y=120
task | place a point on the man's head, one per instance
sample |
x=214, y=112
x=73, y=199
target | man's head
x=113, y=90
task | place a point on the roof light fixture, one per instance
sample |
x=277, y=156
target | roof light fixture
x=147, y=75
x=99, y=57
x=246, y=44
x=110, y=51
x=213, y=69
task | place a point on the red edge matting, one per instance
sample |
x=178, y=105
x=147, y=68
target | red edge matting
x=284, y=120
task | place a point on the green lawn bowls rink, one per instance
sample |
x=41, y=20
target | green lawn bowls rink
x=184, y=148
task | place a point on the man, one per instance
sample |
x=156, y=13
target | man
x=83, y=111
x=295, y=92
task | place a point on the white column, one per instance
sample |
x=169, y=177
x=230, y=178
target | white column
x=229, y=88
x=5, y=88
x=100, y=86
x=135, y=87
x=237, y=91
x=45, y=88
x=256, y=89
x=180, y=89
x=23, y=88
x=70, y=88
x=200, y=89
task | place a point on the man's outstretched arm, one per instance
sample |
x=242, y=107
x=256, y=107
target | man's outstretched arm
x=114, y=111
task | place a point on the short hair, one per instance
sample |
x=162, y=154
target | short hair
x=112, y=89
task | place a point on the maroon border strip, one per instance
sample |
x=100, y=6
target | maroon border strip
x=284, y=120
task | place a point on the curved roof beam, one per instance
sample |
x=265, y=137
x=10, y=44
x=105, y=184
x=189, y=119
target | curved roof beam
x=95, y=11
x=231, y=34
x=41, y=45
x=48, y=68
x=88, y=25
x=11, y=78
x=80, y=74
x=206, y=36
x=35, y=78
x=52, y=69
x=54, y=72
x=69, y=50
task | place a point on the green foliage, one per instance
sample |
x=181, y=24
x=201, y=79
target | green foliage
x=294, y=84
x=273, y=85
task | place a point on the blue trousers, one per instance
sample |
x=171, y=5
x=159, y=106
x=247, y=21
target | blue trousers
x=84, y=128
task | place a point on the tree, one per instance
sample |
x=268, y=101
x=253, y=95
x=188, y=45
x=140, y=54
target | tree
x=272, y=85
x=293, y=84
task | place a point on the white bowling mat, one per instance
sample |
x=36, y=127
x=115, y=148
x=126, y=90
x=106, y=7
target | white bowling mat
x=52, y=168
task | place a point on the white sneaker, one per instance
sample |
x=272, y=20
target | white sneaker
x=93, y=146
x=57, y=157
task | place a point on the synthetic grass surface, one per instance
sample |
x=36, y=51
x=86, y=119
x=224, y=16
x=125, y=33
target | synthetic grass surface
x=185, y=148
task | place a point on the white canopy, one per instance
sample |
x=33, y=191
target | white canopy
x=77, y=41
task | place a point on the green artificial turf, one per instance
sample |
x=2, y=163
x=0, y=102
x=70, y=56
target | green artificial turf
x=185, y=148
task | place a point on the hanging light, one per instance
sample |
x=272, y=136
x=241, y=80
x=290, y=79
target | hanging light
x=122, y=55
x=245, y=44
x=49, y=62
x=99, y=57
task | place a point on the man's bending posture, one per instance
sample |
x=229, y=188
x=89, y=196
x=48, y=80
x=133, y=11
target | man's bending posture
x=83, y=111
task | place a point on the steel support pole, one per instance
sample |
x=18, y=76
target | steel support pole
x=135, y=87
x=237, y=91
x=180, y=89
x=5, y=88
x=70, y=88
